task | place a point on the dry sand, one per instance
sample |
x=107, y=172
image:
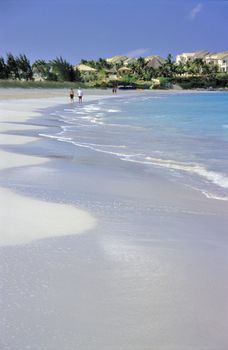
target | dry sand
x=25, y=219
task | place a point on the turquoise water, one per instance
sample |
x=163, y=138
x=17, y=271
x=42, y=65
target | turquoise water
x=184, y=135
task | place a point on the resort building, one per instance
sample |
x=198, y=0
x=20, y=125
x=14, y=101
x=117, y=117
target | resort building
x=85, y=69
x=124, y=70
x=191, y=56
x=117, y=59
x=154, y=61
x=130, y=60
x=112, y=74
x=220, y=59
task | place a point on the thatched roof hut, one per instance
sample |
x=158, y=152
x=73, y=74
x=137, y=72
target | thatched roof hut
x=130, y=61
x=154, y=61
x=85, y=68
x=124, y=70
x=116, y=59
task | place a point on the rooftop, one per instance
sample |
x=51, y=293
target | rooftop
x=85, y=68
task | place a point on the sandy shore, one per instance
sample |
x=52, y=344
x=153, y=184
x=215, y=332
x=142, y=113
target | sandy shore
x=139, y=258
x=62, y=94
x=24, y=219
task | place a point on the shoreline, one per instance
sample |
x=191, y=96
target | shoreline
x=150, y=247
x=19, y=93
x=26, y=219
x=14, y=117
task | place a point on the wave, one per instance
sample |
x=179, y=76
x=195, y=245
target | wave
x=113, y=110
x=56, y=137
x=90, y=146
x=212, y=176
x=92, y=108
x=80, y=112
x=71, y=110
x=99, y=145
x=216, y=178
x=213, y=196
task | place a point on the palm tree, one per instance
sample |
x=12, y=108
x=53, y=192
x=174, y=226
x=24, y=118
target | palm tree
x=210, y=69
x=83, y=61
x=41, y=69
x=138, y=68
x=3, y=69
x=24, y=68
x=90, y=63
x=12, y=66
x=195, y=66
x=64, y=70
x=103, y=64
x=141, y=62
x=180, y=68
x=168, y=69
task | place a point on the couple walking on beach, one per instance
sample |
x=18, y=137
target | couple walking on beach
x=79, y=94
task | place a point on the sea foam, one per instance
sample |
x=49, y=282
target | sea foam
x=212, y=176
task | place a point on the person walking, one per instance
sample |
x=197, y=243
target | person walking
x=114, y=89
x=71, y=95
x=80, y=95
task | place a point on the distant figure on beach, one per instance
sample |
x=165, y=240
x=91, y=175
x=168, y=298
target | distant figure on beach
x=72, y=95
x=80, y=95
x=114, y=89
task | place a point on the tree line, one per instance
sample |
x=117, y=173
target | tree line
x=20, y=68
x=59, y=70
x=143, y=69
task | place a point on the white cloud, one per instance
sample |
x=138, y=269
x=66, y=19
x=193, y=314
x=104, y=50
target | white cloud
x=137, y=52
x=195, y=11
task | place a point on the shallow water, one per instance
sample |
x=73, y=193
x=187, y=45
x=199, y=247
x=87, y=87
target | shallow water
x=153, y=274
x=185, y=135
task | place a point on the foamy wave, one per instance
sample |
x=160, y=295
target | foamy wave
x=102, y=150
x=99, y=145
x=92, y=108
x=54, y=114
x=56, y=137
x=213, y=196
x=92, y=146
x=80, y=112
x=113, y=110
x=70, y=110
x=216, y=178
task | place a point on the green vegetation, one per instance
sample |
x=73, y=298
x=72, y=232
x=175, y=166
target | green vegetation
x=218, y=81
x=144, y=73
x=19, y=69
x=40, y=84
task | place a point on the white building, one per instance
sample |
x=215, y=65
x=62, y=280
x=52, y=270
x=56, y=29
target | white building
x=191, y=56
x=220, y=59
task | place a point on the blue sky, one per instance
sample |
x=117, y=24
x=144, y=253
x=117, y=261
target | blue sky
x=102, y=28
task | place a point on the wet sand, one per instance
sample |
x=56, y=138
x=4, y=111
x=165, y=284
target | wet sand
x=23, y=219
x=148, y=269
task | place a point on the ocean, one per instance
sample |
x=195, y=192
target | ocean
x=183, y=135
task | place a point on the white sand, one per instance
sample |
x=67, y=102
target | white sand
x=23, y=219
x=11, y=160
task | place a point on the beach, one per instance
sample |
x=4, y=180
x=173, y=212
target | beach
x=17, y=228
x=108, y=242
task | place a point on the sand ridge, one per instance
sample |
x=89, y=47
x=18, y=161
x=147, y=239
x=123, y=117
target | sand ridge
x=24, y=219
